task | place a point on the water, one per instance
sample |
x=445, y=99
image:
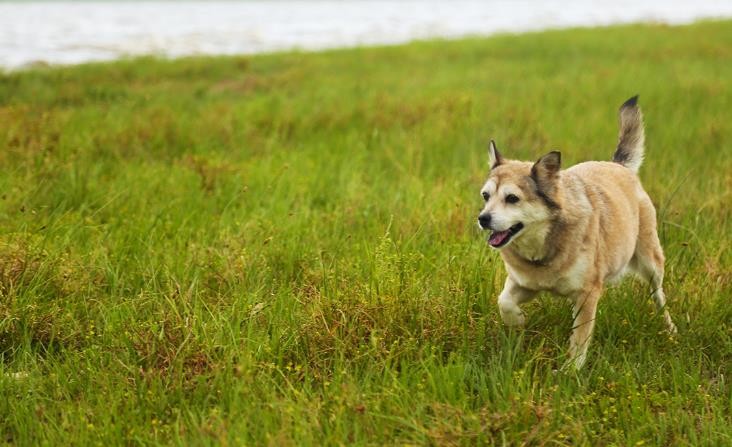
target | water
x=73, y=32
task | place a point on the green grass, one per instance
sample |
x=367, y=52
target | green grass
x=282, y=249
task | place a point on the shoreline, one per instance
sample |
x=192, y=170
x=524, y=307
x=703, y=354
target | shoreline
x=132, y=58
x=70, y=33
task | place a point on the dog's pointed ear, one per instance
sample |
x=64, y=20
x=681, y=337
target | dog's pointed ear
x=548, y=166
x=545, y=171
x=494, y=157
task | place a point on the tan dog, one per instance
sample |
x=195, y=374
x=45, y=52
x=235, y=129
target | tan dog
x=572, y=231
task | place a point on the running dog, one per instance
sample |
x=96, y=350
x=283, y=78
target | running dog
x=572, y=231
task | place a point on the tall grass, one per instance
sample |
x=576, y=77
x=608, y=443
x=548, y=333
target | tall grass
x=281, y=249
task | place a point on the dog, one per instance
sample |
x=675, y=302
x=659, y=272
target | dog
x=573, y=231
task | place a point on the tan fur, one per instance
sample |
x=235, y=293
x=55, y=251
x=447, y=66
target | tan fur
x=583, y=227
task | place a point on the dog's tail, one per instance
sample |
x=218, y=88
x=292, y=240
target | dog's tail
x=631, y=138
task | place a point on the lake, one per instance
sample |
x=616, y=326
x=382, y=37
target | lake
x=73, y=32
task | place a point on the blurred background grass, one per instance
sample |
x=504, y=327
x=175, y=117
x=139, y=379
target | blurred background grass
x=282, y=248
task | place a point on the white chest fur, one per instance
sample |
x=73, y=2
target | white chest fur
x=547, y=278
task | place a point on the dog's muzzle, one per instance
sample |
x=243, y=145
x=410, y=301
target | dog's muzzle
x=498, y=239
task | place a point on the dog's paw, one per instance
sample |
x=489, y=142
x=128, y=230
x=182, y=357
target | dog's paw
x=511, y=315
x=574, y=364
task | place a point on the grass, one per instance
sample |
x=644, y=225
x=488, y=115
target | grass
x=281, y=249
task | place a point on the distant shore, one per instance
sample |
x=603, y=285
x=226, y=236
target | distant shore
x=34, y=33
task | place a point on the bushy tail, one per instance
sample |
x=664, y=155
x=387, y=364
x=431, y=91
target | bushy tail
x=631, y=138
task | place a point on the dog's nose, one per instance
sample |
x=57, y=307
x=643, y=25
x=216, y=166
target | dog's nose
x=484, y=220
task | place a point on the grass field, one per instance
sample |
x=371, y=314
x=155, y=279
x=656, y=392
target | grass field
x=282, y=249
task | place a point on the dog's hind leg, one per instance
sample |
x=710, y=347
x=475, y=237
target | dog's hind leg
x=509, y=300
x=648, y=261
x=650, y=269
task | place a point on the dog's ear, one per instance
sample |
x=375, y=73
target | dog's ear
x=548, y=165
x=494, y=157
x=545, y=171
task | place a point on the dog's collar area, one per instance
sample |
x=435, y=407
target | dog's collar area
x=498, y=239
x=538, y=262
x=557, y=227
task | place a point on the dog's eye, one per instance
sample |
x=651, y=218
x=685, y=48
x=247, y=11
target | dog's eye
x=511, y=198
x=486, y=196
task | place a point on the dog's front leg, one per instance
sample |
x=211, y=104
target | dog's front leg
x=584, y=310
x=509, y=300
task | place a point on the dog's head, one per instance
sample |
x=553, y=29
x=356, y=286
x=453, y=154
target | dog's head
x=520, y=197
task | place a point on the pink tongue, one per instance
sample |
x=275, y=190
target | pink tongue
x=498, y=237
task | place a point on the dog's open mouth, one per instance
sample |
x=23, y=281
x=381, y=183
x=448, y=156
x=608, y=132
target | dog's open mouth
x=501, y=238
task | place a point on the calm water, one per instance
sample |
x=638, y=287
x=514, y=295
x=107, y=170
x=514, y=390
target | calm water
x=72, y=32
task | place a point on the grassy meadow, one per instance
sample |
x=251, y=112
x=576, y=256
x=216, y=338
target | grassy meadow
x=282, y=250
